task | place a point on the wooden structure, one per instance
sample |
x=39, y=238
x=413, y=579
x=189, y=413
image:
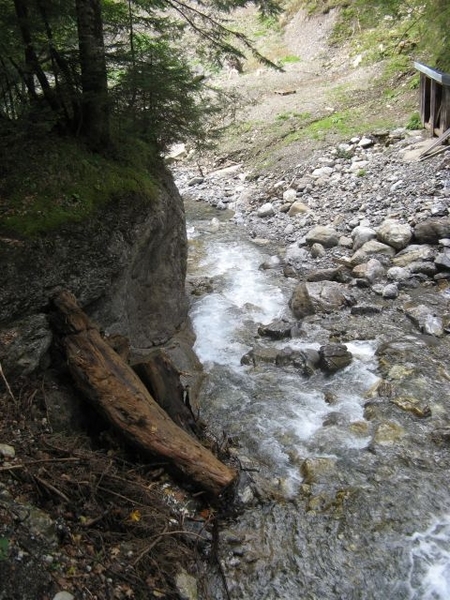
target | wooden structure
x=434, y=99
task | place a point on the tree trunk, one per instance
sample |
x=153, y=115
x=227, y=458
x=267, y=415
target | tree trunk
x=95, y=111
x=117, y=392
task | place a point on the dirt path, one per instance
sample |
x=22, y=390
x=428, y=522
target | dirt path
x=319, y=81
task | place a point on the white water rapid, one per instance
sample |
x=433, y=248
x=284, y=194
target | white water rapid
x=278, y=418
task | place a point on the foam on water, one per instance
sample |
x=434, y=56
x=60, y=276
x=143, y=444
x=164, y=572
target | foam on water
x=430, y=562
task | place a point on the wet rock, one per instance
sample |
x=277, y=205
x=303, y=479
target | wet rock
x=260, y=355
x=432, y=230
x=322, y=234
x=412, y=405
x=334, y=357
x=272, y=263
x=388, y=433
x=313, y=297
x=277, y=330
x=314, y=470
x=424, y=319
x=306, y=361
x=395, y=234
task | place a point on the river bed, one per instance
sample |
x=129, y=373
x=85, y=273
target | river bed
x=356, y=502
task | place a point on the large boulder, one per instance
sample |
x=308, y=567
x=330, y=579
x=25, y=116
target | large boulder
x=316, y=297
x=126, y=264
x=394, y=233
x=372, y=270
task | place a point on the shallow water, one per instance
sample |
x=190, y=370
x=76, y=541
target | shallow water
x=364, y=526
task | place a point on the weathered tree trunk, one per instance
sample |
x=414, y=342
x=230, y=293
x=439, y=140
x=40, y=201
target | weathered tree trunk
x=117, y=392
x=162, y=380
x=94, y=83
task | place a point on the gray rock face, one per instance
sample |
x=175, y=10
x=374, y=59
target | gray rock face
x=314, y=297
x=126, y=265
x=395, y=234
x=24, y=344
x=432, y=230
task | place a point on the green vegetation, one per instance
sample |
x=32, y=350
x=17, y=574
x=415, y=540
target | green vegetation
x=414, y=122
x=62, y=181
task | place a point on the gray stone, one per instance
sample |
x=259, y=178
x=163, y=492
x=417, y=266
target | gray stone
x=266, y=210
x=432, y=230
x=298, y=208
x=369, y=248
x=372, y=270
x=277, y=330
x=398, y=274
x=63, y=596
x=322, y=234
x=24, y=345
x=289, y=195
x=315, y=297
x=390, y=291
x=394, y=233
x=322, y=172
x=186, y=586
x=334, y=357
x=443, y=260
x=195, y=181
x=7, y=451
x=413, y=253
x=424, y=319
x=331, y=274
x=317, y=250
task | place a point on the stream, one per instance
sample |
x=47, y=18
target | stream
x=345, y=495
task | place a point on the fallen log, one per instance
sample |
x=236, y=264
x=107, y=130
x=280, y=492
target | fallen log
x=162, y=380
x=115, y=390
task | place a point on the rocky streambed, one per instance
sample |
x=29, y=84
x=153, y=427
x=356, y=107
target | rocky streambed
x=338, y=391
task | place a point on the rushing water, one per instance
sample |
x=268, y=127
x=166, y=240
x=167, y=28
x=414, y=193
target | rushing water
x=372, y=521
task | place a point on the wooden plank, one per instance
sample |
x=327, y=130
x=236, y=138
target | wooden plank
x=438, y=142
x=435, y=74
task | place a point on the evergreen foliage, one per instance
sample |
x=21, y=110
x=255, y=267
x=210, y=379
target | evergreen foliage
x=87, y=68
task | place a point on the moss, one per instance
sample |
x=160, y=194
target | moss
x=46, y=183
